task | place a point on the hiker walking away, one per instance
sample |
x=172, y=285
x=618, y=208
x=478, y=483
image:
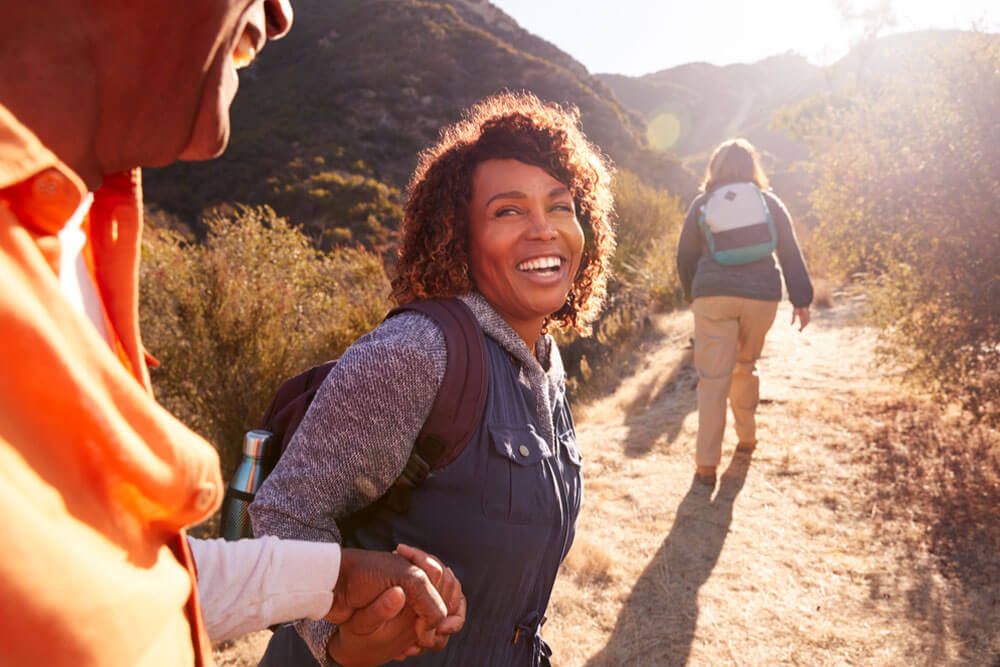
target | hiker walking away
x=509, y=211
x=725, y=260
x=97, y=481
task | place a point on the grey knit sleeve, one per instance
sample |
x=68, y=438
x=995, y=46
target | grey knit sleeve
x=354, y=440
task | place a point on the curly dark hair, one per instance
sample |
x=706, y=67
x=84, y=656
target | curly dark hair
x=434, y=253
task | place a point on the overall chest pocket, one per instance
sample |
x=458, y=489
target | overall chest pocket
x=567, y=440
x=571, y=471
x=519, y=481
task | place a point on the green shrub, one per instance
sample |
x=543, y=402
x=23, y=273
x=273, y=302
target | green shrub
x=645, y=276
x=649, y=222
x=231, y=317
x=907, y=199
x=337, y=207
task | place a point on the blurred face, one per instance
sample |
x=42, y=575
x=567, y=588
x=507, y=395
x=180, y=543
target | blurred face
x=525, y=243
x=170, y=74
x=242, y=30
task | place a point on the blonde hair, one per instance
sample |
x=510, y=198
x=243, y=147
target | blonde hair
x=734, y=161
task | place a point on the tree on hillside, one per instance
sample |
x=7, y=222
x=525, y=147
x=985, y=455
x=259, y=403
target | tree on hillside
x=335, y=207
x=908, y=198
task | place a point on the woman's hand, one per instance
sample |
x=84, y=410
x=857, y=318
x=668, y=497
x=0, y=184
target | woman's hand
x=802, y=314
x=449, y=587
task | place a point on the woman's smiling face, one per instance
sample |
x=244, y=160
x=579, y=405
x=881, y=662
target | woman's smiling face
x=525, y=242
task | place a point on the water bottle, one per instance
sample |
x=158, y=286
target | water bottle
x=246, y=480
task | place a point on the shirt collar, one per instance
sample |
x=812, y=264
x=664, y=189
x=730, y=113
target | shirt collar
x=42, y=191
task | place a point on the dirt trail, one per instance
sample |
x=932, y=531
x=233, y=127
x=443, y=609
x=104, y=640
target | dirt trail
x=786, y=563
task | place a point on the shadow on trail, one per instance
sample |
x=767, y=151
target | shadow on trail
x=659, y=408
x=657, y=622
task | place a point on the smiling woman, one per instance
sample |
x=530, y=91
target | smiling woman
x=525, y=242
x=509, y=212
x=513, y=132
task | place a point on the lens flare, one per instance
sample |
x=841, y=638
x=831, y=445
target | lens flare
x=664, y=131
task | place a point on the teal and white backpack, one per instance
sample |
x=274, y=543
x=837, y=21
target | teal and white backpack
x=737, y=224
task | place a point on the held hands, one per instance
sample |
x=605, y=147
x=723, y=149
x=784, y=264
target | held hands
x=406, y=604
x=450, y=589
x=803, y=316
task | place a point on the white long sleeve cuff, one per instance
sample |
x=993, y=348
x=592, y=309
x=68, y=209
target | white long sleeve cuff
x=249, y=585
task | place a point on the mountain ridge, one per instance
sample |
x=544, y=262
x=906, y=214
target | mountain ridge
x=360, y=87
x=334, y=115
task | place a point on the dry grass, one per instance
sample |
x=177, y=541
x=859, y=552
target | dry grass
x=850, y=537
x=790, y=561
x=933, y=470
x=823, y=293
x=590, y=563
x=243, y=652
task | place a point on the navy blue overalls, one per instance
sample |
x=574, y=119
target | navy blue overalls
x=501, y=516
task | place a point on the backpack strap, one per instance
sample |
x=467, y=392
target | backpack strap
x=288, y=407
x=460, y=400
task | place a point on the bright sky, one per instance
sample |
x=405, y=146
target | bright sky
x=641, y=36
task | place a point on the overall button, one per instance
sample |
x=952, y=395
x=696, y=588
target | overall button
x=523, y=450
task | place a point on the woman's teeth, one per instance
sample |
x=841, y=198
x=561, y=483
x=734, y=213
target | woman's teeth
x=244, y=52
x=540, y=264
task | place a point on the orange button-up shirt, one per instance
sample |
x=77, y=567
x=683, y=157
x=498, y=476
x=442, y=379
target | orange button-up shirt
x=97, y=481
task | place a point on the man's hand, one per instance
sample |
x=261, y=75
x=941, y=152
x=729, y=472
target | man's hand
x=393, y=640
x=802, y=314
x=384, y=631
x=367, y=576
x=385, y=608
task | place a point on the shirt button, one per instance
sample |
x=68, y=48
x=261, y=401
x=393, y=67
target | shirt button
x=54, y=187
x=204, y=498
x=50, y=183
x=524, y=451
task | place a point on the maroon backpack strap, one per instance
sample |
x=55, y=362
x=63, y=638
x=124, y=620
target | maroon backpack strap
x=288, y=407
x=458, y=406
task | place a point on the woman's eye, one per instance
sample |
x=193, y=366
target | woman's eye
x=506, y=211
x=563, y=208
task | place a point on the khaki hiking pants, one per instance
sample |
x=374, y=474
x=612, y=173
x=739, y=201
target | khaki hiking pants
x=729, y=334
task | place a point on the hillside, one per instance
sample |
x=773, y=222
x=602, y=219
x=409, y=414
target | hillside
x=328, y=123
x=359, y=87
x=711, y=103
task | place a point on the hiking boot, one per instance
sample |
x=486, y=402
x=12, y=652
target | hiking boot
x=705, y=475
x=746, y=447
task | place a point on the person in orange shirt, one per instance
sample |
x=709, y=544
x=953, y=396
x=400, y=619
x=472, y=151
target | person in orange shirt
x=97, y=481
